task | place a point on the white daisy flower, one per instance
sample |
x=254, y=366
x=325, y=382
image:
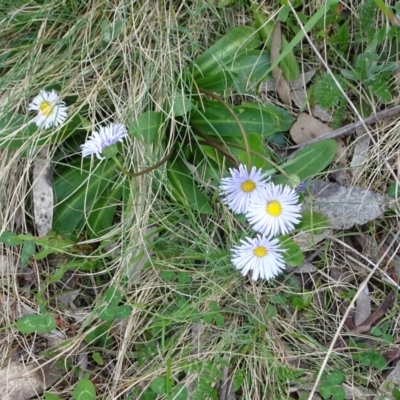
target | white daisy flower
x=51, y=110
x=241, y=187
x=107, y=136
x=275, y=210
x=260, y=255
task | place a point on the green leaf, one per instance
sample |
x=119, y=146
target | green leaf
x=15, y=132
x=218, y=82
x=256, y=144
x=219, y=320
x=184, y=188
x=168, y=275
x=27, y=250
x=293, y=255
x=84, y=390
x=179, y=392
x=312, y=159
x=51, y=396
x=98, y=358
x=396, y=394
x=158, y=385
x=123, y=311
x=338, y=393
x=325, y=390
x=378, y=361
x=10, y=238
x=148, y=127
x=113, y=296
x=214, y=119
x=72, y=266
x=214, y=305
x=99, y=334
x=336, y=378
x=182, y=105
x=250, y=69
x=101, y=217
x=183, y=277
x=36, y=323
x=313, y=222
x=107, y=313
x=77, y=187
x=221, y=55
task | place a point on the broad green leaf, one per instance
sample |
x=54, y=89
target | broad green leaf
x=313, y=222
x=51, y=396
x=184, y=188
x=27, y=250
x=99, y=334
x=312, y=159
x=336, y=378
x=257, y=145
x=76, y=189
x=101, y=217
x=293, y=255
x=216, y=120
x=123, y=311
x=289, y=65
x=182, y=105
x=107, y=313
x=113, y=296
x=98, y=358
x=16, y=131
x=218, y=82
x=84, y=390
x=179, y=392
x=147, y=127
x=338, y=393
x=250, y=69
x=10, y=238
x=221, y=55
x=158, y=385
x=36, y=323
x=325, y=390
x=168, y=275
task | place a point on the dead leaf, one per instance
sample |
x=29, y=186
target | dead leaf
x=282, y=86
x=345, y=206
x=376, y=316
x=321, y=114
x=42, y=193
x=307, y=128
x=299, y=83
x=363, y=307
x=360, y=155
x=20, y=381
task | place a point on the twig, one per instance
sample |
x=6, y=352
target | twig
x=348, y=129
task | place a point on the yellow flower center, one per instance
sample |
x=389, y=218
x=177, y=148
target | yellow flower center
x=46, y=108
x=260, y=251
x=274, y=208
x=248, y=186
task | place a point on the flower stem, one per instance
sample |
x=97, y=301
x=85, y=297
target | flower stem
x=146, y=170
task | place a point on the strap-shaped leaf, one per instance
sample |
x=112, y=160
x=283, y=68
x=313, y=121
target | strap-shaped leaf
x=76, y=189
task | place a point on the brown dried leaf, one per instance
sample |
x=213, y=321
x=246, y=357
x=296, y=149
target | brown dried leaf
x=19, y=381
x=307, y=128
x=345, y=206
x=363, y=308
x=282, y=86
x=376, y=316
x=42, y=193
